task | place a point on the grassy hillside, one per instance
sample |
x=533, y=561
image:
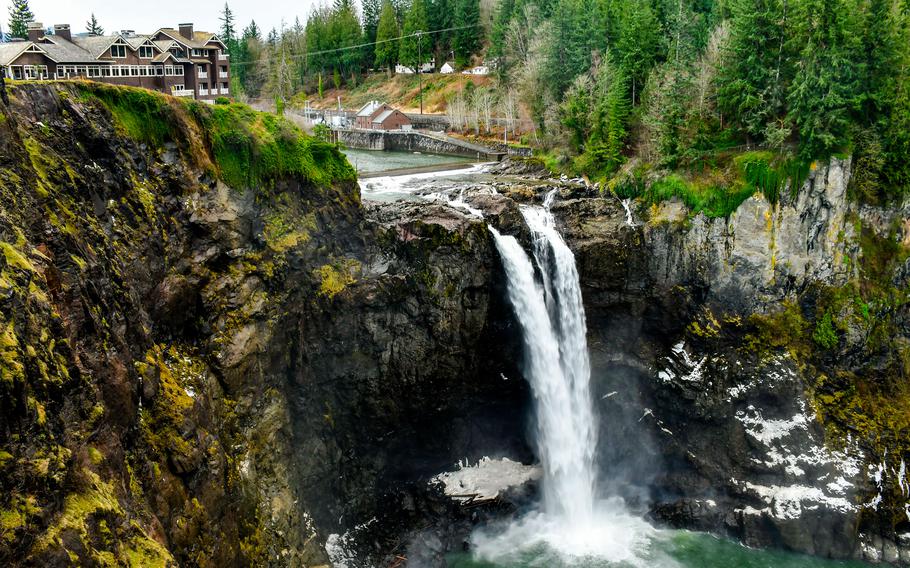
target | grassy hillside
x=400, y=91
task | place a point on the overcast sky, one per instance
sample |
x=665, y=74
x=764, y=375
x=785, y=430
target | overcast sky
x=149, y=15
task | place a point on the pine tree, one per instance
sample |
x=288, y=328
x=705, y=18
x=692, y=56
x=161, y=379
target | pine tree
x=19, y=17
x=466, y=40
x=386, y=32
x=93, y=27
x=228, y=34
x=413, y=47
x=252, y=31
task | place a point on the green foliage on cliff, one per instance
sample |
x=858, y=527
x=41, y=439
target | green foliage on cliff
x=720, y=188
x=249, y=149
x=143, y=115
x=253, y=149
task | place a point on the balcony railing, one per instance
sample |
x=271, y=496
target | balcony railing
x=182, y=92
x=223, y=56
x=203, y=74
x=203, y=92
x=223, y=74
x=225, y=91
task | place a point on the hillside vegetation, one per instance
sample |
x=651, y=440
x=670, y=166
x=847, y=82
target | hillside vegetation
x=400, y=91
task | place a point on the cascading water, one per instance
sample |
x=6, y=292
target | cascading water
x=571, y=522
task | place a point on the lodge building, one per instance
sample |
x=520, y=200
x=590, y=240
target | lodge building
x=181, y=62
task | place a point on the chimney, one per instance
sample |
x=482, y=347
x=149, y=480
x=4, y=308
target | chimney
x=186, y=30
x=35, y=31
x=63, y=31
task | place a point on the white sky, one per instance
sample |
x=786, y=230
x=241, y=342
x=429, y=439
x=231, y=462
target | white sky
x=146, y=16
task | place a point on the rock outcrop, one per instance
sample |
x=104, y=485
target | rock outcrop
x=757, y=360
x=211, y=353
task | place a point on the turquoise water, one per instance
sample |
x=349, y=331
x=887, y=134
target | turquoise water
x=672, y=549
x=371, y=161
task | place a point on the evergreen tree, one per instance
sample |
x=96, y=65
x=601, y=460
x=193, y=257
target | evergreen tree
x=752, y=82
x=572, y=44
x=638, y=43
x=93, y=27
x=466, y=40
x=252, y=31
x=611, y=112
x=344, y=31
x=386, y=32
x=19, y=17
x=228, y=34
x=413, y=47
x=440, y=17
x=827, y=85
x=371, y=13
x=504, y=12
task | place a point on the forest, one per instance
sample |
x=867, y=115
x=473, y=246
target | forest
x=674, y=84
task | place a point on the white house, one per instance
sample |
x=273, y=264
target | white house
x=479, y=70
x=447, y=68
x=402, y=70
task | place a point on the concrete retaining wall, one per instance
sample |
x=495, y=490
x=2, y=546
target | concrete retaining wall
x=404, y=141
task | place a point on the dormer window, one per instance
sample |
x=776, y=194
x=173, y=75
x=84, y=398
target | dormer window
x=118, y=51
x=146, y=52
x=200, y=53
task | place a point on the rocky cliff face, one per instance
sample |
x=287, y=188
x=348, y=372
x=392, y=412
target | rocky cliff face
x=760, y=360
x=210, y=352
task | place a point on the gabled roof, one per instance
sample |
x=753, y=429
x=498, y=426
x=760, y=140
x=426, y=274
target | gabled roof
x=62, y=51
x=384, y=115
x=10, y=51
x=200, y=39
x=162, y=57
x=137, y=41
x=97, y=45
x=368, y=109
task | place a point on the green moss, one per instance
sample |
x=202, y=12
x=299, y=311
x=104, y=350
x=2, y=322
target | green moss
x=16, y=517
x=14, y=258
x=78, y=508
x=12, y=369
x=145, y=552
x=162, y=425
x=95, y=456
x=287, y=225
x=785, y=329
x=337, y=276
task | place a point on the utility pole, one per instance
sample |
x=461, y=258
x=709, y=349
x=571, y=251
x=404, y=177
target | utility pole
x=417, y=69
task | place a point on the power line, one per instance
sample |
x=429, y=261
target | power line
x=377, y=42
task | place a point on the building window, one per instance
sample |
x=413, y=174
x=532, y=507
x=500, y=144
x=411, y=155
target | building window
x=178, y=70
x=200, y=53
x=159, y=71
x=118, y=51
x=146, y=52
x=134, y=70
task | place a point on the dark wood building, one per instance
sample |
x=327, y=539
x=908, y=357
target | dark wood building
x=180, y=62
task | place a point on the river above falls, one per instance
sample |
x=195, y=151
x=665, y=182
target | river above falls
x=376, y=161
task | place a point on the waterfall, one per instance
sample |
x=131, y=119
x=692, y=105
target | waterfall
x=571, y=521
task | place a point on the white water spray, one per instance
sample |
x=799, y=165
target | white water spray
x=571, y=522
